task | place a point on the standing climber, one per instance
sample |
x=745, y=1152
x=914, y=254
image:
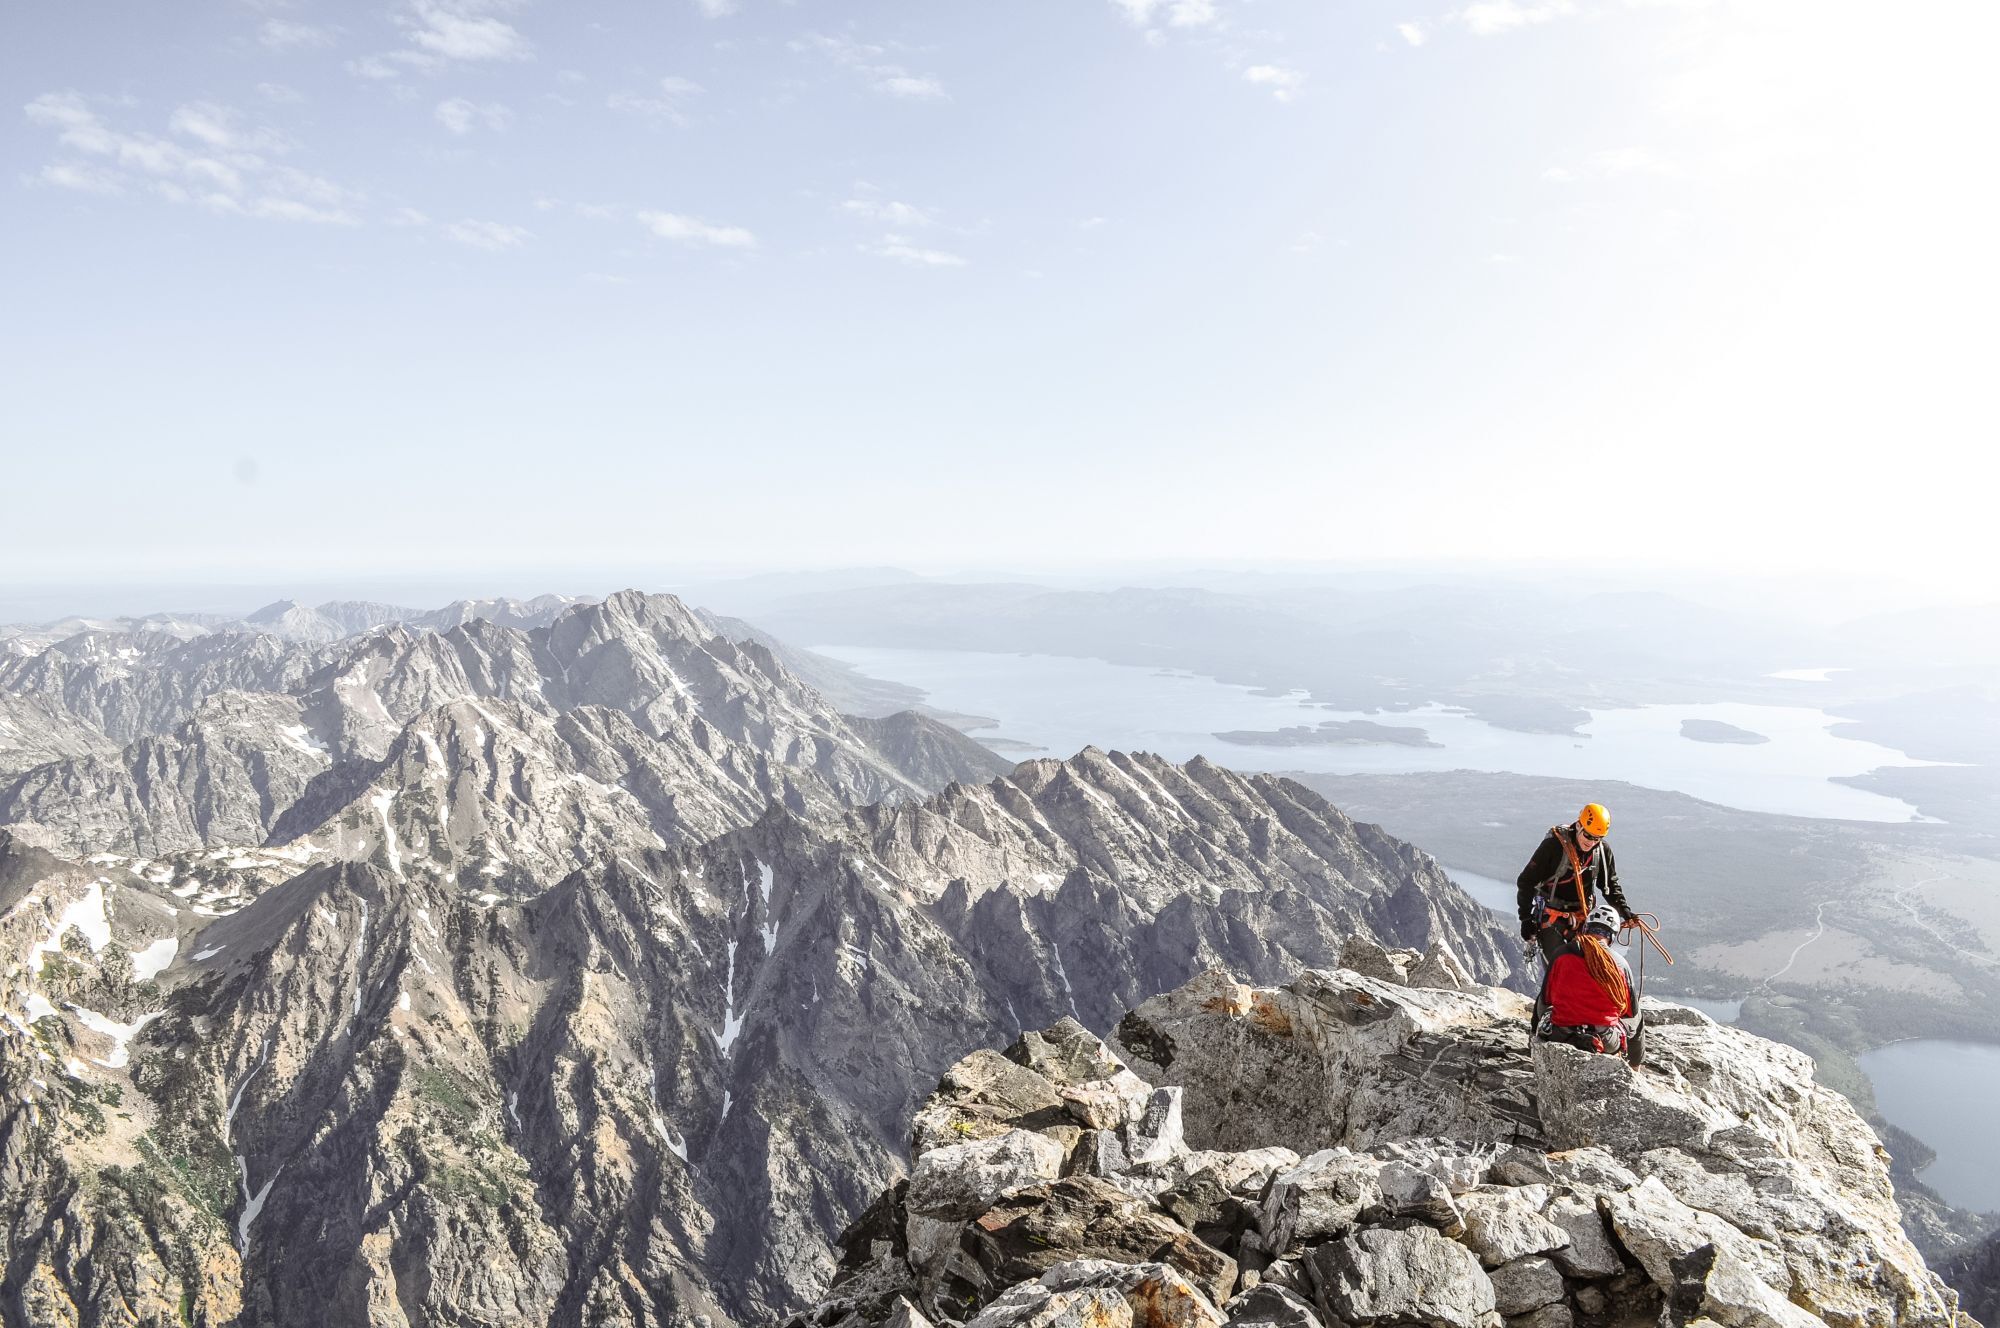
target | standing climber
x=1571, y=872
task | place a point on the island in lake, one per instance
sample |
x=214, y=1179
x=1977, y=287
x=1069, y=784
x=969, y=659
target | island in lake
x=1714, y=730
x=1332, y=733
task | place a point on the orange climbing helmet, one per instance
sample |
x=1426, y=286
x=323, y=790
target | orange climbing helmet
x=1593, y=820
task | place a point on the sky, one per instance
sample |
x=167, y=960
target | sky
x=430, y=286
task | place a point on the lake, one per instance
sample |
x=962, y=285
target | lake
x=1943, y=1092
x=1494, y=894
x=1720, y=1010
x=1057, y=705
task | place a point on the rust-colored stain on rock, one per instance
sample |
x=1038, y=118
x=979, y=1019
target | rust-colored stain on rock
x=1268, y=1018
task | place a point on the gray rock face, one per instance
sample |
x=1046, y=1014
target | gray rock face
x=1155, y=1137
x=1268, y=1306
x=35, y=730
x=1322, y=1196
x=1087, y=1293
x=1526, y=1285
x=928, y=752
x=1589, y=1252
x=952, y=1184
x=1398, y=1062
x=1508, y=1226
x=1077, y=1218
x=1976, y=1275
x=1410, y=1192
x=222, y=777
x=1412, y=1275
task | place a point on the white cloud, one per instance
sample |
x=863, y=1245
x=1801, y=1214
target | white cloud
x=866, y=60
x=1174, y=13
x=462, y=117
x=1413, y=33
x=312, y=188
x=1491, y=17
x=271, y=208
x=1153, y=15
x=1283, y=81
x=587, y=211
x=282, y=34
x=900, y=249
x=445, y=32
x=463, y=30
x=888, y=212
x=670, y=103
x=393, y=65
x=210, y=158
x=910, y=86
x=408, y=216
x=692, y=230
x=492, y=236
x=220, y=127
x=279, y=92
x=716, y=8
x=841, y=50
x=81, y=176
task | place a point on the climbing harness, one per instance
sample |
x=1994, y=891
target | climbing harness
x=1599, y=1038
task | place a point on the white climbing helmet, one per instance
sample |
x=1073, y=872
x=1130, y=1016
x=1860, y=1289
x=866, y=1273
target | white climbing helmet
x=1605, y=916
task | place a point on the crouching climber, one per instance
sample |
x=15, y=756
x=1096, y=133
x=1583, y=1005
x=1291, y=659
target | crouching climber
x=1588, y=991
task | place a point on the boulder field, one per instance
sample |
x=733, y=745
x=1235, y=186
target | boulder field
x=1379, y=1144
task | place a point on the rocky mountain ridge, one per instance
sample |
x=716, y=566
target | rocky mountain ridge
x=288, y=618
x=243, y=740
x=1380, y=1144
x=1976, y=1274
x=320, y=1082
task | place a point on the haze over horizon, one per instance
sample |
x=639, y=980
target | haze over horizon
x=1801, y=598
x=435, y=286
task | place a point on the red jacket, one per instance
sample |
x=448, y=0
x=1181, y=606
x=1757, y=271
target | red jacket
x=1576, y=999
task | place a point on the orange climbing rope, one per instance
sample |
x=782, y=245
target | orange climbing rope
x=1647, y=925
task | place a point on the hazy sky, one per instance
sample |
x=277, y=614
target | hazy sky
x=301, y=288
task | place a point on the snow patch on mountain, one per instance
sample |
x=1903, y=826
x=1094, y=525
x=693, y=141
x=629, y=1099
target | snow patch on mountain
x=120, y=1034
x=150, y=960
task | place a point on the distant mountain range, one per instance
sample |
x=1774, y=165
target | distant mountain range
x=164, y=744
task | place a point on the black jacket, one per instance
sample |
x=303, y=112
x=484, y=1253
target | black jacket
x=1548, y=874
